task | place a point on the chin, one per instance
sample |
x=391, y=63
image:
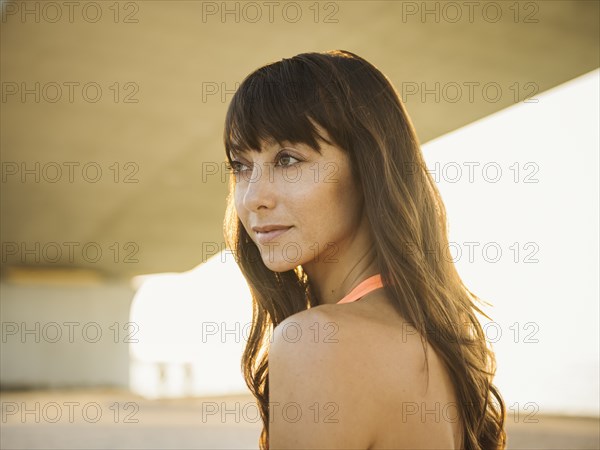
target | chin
x=278, y=263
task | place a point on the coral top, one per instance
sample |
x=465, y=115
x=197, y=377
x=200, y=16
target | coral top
x=363, y=288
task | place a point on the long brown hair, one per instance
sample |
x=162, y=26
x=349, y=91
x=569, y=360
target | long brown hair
x=363, y=114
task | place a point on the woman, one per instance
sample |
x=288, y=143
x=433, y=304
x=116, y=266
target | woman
x=331, y=203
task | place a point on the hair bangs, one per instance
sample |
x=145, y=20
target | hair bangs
x=270, y=107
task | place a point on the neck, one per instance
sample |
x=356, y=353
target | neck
x=332, y=281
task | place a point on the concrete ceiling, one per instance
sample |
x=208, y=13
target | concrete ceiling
x=172, y=135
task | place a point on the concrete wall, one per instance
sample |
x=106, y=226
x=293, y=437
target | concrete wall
x=62, y=334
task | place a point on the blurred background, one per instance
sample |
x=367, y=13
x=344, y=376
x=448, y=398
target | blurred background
x=124, y=316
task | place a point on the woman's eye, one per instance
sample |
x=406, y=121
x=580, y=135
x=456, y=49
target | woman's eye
x=235, y=166
x=285, y=157
x=283, y=160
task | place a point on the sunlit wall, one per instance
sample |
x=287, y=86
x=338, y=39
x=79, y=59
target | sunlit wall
x=521, y=190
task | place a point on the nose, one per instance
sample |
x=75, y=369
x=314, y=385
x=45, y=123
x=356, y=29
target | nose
x=260, y=189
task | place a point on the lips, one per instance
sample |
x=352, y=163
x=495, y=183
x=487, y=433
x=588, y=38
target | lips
x=268, y=233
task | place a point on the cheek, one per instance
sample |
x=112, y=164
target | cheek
x=324, y=208
x=344, y=209
x=344, y=206
x=311, y=198
x=238, y=197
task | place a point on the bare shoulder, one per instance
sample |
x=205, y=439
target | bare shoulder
x=308, y=326
x=361, y=366
x=314, y=392
x=356, y=339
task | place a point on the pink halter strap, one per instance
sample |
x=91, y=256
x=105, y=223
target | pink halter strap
x=363, y=288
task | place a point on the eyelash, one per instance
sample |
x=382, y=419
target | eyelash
x=234, y=166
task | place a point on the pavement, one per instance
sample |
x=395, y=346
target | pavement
x=118, y=419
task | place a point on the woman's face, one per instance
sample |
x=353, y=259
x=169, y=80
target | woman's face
x=313, y=196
